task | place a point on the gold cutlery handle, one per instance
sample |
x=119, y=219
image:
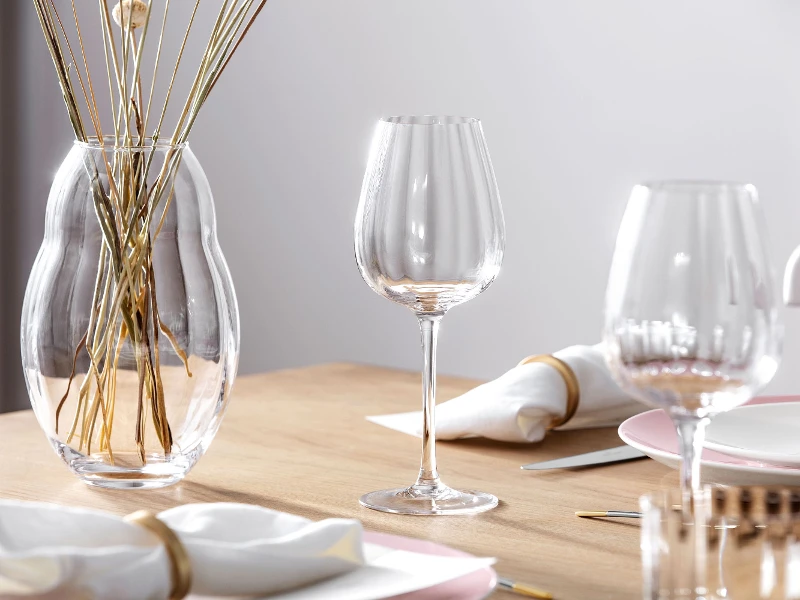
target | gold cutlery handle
x=524, y=590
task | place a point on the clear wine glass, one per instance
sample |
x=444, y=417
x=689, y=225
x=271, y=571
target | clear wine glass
x=429, y=234
x=691, y=320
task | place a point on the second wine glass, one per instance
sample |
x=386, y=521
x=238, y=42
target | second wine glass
x=429, y=234
x=691, y=321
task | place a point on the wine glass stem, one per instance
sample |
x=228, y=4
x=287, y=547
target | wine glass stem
x=692, y=432
x=428, y=475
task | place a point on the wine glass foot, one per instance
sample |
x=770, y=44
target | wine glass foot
x=424, y=500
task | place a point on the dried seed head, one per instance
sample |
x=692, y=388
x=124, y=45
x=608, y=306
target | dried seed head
x=137, y=8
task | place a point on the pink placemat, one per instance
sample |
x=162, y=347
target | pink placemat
x=475, y=586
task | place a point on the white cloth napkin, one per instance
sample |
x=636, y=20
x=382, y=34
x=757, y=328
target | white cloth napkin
x=518, y=406
x=54, y=552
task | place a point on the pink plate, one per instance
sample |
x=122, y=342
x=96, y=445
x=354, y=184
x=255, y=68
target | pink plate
x=474, y=586
x=654, y=434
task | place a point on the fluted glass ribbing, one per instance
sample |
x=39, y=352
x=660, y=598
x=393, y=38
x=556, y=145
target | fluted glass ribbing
x=429, y=234
x=691, y=322
x=195, y=300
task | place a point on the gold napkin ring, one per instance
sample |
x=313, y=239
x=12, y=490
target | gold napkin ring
x=570, y=379
x=180, y=566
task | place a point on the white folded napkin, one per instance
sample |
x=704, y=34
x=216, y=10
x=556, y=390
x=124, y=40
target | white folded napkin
x=519, y=406
x=54, y=552
x=235, y=549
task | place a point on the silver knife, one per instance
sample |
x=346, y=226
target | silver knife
x=601, y=457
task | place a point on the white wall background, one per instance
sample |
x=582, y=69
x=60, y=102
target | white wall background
x=580, y=100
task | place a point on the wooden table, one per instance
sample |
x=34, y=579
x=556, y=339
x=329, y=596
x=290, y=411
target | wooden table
x=297, y=441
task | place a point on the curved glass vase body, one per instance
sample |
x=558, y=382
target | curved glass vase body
x=130, y=327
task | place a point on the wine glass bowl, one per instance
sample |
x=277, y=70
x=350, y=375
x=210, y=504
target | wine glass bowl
x=429, y=234
x=691, y=321
x=429, y=230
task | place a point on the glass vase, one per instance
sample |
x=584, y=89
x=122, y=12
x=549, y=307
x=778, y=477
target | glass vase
x=130, y=327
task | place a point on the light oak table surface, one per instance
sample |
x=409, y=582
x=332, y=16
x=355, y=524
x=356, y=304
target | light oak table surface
x=298, y=441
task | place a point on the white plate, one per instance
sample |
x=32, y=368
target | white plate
x=763, y=432
x=654, y=434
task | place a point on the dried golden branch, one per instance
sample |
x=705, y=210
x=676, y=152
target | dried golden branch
x=155, y=66
x=239, y=41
